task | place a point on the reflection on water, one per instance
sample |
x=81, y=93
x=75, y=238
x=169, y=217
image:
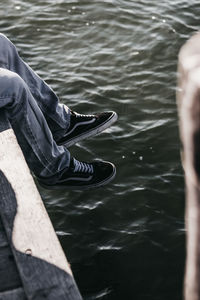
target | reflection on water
x=127, y=240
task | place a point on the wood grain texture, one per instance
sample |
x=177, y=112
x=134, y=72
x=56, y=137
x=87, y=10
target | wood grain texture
x=188, y=100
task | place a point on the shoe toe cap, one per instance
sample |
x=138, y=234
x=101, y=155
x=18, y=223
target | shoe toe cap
x=104, y=169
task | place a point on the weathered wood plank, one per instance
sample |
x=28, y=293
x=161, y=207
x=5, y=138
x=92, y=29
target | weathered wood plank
x=15, y=294
x=188, y=99
x=32, y=227
x=9, y=276
x=43, y=267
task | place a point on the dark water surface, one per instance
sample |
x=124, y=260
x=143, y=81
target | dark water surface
x=127, y=240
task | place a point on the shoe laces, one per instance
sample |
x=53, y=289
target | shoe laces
x=83, y=167
x=78, y=115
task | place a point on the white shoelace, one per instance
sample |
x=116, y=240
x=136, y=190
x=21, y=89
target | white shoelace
x=83, y=167
x=81, y=115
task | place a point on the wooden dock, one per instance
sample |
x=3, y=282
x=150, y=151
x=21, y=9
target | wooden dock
x=32, y=262
x=188, y=100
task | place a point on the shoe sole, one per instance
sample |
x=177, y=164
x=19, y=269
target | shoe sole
x=92, y=132
x=81, y=188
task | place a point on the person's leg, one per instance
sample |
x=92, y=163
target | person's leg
x=52, y=164
x=66, y=126
x=42, y=154
x=57, y=115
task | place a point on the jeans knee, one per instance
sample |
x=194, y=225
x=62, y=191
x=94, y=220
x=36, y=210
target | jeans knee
x=11, y=85
x=4, y=39
x=7, y=49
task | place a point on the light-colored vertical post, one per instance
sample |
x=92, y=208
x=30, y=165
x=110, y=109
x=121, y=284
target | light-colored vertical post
x=188, y=100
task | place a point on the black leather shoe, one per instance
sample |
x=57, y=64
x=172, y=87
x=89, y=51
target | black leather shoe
x=84, y=126
x=82, y=175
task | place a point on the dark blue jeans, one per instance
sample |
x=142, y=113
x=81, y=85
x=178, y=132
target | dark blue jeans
x=34, y=111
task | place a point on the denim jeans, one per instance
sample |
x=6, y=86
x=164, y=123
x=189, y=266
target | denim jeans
x=35, y=114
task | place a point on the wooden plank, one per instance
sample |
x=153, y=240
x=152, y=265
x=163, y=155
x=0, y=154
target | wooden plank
x=32, y=227
x=43, y=267
x=188, y=99
x=9, y=276
x=15, y=294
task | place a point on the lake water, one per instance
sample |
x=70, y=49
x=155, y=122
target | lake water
x=125, y=241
